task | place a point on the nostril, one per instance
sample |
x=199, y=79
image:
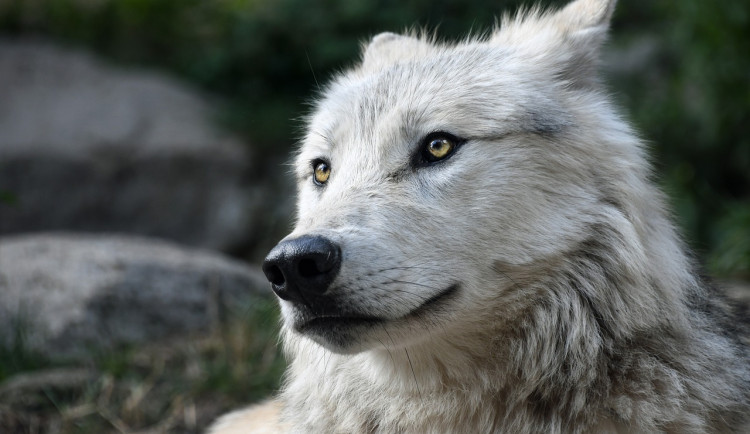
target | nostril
x=274, y=275
x=307, y=268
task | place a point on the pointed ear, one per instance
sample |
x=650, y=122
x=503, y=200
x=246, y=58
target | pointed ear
x=567, y=41
x=582, y=16
x=388, y=48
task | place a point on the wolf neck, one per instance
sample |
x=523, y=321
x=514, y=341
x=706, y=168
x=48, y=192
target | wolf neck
x=511, y=371
x=489, y=385
x=400, y=384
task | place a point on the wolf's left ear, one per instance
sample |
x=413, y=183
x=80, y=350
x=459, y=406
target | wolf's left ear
x=567, y=41
x=388, y=48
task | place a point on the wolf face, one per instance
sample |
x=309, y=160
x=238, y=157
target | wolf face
x=407, y=229
x=426, y=167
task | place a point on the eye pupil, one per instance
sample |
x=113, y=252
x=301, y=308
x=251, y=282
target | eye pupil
x=321, y=173
x=439, y=148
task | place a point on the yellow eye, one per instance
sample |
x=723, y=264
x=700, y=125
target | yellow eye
x=321, y=173
x=439, y=148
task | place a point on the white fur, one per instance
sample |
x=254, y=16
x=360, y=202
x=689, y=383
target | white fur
x=577, y=308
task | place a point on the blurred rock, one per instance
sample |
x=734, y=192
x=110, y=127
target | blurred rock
x=88, y=147
x=68, y=293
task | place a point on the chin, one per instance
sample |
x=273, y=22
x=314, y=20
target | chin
x=348, y=335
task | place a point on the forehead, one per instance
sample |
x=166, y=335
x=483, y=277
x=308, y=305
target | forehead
x=415, y=92
x=472, y=91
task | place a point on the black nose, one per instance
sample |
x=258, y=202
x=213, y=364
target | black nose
x=300, y=266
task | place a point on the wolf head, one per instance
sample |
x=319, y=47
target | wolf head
x=438, y=181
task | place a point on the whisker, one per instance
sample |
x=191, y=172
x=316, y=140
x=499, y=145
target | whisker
x=410, y=267
x=387, y=349
x=322, y=361
x=406, y=282
x=312, y=71
x=387, y=287
x=419, y=297
x=389, y=336
x=507, y=276
x=416, y=383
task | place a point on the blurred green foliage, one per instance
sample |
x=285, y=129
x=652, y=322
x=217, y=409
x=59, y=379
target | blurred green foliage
x=692, y=102
x=685, y=79
x=7, y=198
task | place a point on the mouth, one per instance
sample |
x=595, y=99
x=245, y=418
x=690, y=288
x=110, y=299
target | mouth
x=434, y=302
x=335, y=324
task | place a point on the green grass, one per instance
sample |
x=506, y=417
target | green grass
x=179, y=385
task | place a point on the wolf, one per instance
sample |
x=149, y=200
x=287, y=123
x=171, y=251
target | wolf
x=479, y=247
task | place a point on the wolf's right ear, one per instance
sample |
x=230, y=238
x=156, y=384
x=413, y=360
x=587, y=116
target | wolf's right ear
x=567, y=41
x=387, y=48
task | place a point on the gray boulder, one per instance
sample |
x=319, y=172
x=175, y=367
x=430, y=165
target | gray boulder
x=70, y=293
x=88, y=147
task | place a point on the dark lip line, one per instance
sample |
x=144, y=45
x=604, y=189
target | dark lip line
x=434, y=300
x=349, y=320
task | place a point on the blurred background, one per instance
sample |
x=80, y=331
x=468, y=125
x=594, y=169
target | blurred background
x=143, y=171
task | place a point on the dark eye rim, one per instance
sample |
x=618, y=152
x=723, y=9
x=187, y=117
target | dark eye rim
x=314, y=165
x=423, y=158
